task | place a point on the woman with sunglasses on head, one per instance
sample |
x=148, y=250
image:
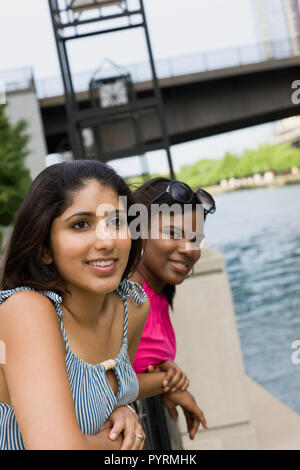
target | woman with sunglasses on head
x=167, y=260
x=69, y=318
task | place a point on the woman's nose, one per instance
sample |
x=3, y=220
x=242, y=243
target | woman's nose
x=189, y=249
x=104, y=236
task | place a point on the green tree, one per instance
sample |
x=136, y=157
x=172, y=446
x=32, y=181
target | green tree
x=266, y=157
x=207, y=172
x=15, y=179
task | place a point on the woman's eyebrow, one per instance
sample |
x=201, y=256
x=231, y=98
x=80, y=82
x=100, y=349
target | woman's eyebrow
x=92, y=214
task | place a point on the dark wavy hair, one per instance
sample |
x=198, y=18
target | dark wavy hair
x=49, y=196
x=148, y=191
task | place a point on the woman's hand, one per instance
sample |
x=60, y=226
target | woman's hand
x=175, y=379
x=193, y=414
x=124, y=422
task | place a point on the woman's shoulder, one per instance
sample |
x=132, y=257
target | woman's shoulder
x=144, y=307
x=137, y=317
x=29, y=322
x=137, y=299
x=28, y=290
x=26, y=294
x=23, y=305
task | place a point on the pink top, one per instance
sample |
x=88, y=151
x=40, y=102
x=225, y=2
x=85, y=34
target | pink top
x=158, y=342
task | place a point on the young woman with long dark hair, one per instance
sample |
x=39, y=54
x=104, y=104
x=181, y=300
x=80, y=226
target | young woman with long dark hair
x=69, y=319
x=167, y=260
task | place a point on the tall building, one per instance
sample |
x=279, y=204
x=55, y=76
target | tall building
x=278, y=27
x=292, y=12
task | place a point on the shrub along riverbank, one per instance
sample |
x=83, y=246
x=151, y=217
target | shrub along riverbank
x=209, y=172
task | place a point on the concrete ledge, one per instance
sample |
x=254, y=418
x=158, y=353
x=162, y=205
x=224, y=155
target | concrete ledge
x=241, y=415
x=238, y=437
x=277, y=426
x=273, y=426
x=210, y=262
x=208, y=348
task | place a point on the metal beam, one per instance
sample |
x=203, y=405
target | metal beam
x=102, y=115
x=78, y=118
x=94, y=33
x=133, y=151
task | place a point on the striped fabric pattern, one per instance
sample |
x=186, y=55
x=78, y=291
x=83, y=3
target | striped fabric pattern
x=93, y=397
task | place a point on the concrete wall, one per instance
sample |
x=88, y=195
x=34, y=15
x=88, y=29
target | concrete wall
x=23, y=104
x=240, y=414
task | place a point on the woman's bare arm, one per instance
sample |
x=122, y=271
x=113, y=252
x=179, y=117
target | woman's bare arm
x=137, y=316
x=149, y=384
x=36, y=375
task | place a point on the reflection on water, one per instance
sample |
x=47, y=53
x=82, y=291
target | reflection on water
x=258, y=233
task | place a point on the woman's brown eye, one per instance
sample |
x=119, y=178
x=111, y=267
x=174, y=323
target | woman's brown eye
x=77, y=224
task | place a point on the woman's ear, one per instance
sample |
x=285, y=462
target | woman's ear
x=46, y=256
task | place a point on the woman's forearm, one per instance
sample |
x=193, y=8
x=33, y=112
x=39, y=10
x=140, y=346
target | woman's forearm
x=150, y=384
x=101, y=441
x=79, y=441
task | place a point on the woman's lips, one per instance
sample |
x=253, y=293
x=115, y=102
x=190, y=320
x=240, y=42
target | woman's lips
x=180, y=267
x=104, y=269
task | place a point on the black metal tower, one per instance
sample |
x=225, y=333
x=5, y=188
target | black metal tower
x=76, y=19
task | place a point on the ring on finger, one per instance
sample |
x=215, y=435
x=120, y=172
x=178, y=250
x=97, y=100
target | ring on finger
x=140, y=436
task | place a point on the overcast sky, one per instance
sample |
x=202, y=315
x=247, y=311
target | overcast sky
x=176, y=28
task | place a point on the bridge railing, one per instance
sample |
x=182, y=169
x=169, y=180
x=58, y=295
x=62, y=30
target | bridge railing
x=171, y=67
x=17, y=79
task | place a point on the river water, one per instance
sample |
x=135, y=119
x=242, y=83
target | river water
x=258, y=233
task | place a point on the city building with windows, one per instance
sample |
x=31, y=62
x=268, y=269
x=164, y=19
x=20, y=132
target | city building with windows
x=278, y=27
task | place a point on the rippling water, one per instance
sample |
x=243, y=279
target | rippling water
x=258, y=233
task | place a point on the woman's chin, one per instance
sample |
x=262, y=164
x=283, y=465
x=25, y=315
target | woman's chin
x=175, y=279
x=104, y=286
x=179, y=282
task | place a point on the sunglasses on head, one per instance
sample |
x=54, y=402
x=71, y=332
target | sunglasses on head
x=182, y=193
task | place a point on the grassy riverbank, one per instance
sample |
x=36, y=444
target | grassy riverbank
x=213, y=173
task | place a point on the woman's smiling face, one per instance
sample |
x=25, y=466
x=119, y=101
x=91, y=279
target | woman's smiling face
x=171, y=256
x=88, y=232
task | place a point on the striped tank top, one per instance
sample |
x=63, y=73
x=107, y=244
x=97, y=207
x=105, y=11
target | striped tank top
x=93, y=397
